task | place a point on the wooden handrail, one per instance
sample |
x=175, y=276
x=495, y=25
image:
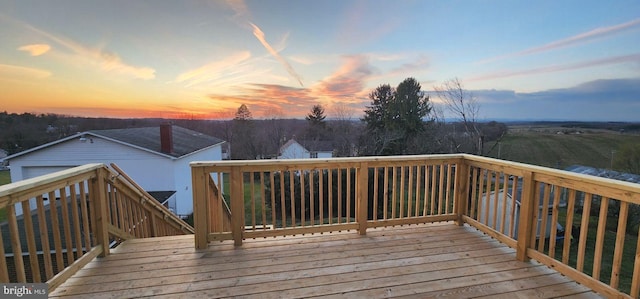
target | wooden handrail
x=86, y=208
x=483, y=196
x=146, y=198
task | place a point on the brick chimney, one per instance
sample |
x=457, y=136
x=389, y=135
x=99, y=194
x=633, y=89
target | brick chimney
x=166, y=138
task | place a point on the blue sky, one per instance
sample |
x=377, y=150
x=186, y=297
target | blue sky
x=574, y=60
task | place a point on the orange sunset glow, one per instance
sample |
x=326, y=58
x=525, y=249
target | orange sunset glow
x=203, y=59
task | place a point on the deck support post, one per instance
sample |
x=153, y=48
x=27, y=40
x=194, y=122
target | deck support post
x=363, y=198
x=461, y=186
x=99, y=200
x=526, y=227
x=200, y=206
x=237, y=205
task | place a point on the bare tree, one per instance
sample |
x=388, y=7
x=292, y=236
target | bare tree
x=465, y=107
x=342, y=129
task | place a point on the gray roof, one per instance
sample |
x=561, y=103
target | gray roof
x=6, y=238
x=317, y=145
x=605, y=173
x=185, y=141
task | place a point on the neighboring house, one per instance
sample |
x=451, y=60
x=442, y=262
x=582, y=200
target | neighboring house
x=155, y=158
x=293, y=149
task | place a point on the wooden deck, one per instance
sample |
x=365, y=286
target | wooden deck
x=418, y=261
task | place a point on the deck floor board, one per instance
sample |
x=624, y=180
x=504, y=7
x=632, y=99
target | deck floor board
x=417, y=261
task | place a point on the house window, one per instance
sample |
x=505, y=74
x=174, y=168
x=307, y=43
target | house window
x=314, y=154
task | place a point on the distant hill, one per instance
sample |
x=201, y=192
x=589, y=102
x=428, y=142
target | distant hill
x=559, y=147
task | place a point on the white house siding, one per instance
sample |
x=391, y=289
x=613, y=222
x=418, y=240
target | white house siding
x=152, y=171
x=325, y=154
x=294, y=151
x=182, y=178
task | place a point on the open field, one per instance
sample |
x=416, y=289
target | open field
x=545, y=147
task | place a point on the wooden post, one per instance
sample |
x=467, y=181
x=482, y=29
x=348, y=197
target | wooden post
x=98, y=196
x=461, y=190
x=526, y=226
x=363, y=198
x=200, y=206
x=237, y=205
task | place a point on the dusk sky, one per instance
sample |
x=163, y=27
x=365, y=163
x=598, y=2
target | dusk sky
x=569, y=60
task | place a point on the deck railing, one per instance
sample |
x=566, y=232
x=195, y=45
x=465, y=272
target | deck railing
x=545, y=214
x=70, y=217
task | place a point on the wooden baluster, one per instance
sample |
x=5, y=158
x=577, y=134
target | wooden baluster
x=263, y=201
x=85, y=216
x=544, y=214
x=348, y=174
x=554, y=222
x=617, y=253
x=584, y=227
x=385, y=194
x=375, y=194
x=55, y=228
x=302, y=199
x=31, y=240
x=292, y=197
x=482, y=198
x=503, y=216
x=602, y=224
x=433, y=189
x=4, y=272
x=321, y=195
x=201, y=208
x=76, y=220
x=512, y=222
x=448, y=206
x=568, y=227
x=312, y=202
x=425, y=198
x=253, y=200
x=526, y=225
x=339, y=195
x=66, y=225
x=417, y=197
x=237, y=205
x=283, y=207
x=474, y=189
x=441, y=191
x=363, y=198
x=402, y=198
x=15, y=243
x=496, y=189
x=273, y=200
x=461, y=191
x=394, y=192
x=635, y=280
x=330, y=194
x=44, y=238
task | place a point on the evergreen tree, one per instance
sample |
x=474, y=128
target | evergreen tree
x=395, y=118
x=243, y=113
x=316, y=117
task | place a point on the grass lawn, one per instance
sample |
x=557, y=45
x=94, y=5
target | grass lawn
x=628, y=254
x=559, y=151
